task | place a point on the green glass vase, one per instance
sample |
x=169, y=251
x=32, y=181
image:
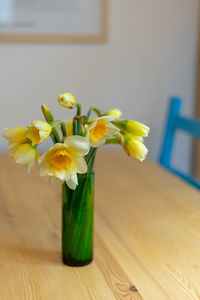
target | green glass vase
x=77, y=221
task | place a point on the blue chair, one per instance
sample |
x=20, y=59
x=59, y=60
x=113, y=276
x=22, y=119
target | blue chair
x=176, y=121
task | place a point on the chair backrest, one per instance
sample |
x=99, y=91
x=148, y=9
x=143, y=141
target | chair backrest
x=176, y=121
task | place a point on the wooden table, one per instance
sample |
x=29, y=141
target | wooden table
x=147, y=235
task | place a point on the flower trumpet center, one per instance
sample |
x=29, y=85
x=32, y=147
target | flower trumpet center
x=36, y=133
x=98, y=131
x=61, y=159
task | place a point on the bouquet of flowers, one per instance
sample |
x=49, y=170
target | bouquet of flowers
x=70, y=162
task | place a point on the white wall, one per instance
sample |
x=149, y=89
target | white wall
x=151, y=54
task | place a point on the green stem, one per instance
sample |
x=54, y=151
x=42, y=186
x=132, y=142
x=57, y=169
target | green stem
x=53, y=138
x=56, y=135
x=73, y=242
x=78, y=105
x=112, y=141
x=90, y=154
x=63, y=128
x=91, y=161
x=75, y=129
x=95, y=109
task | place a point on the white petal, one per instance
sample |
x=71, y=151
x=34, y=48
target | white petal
x=29, y=166
x=111, y=130
x=45, y=171
x=97, y=144
x=93, y=124
x=74, y=178
x=41, y=158
x=62, y=174
x=72, y=181
x=56, y=181
x=107, y=118
x=46, y=178
x=78, y=145
x=81, y=165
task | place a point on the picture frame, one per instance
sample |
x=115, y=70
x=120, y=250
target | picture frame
x=92, y=26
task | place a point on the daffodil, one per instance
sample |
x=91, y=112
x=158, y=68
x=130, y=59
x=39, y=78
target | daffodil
x=15, y=135
x=133, y=146
x=132, y=127
x=99, y=129
x=25, y=154
x=38, y=132
x=63, y=161
x=22, y=150
x=114, y=112
x=66, y=100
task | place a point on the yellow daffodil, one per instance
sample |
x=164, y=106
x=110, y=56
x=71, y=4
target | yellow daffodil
x=132, y=127
x=99, y=129
x=63, y=161
x=15, y=135
x=22, y=150
x=114, y=112
x=66, y=100
x=133, y=146
x=38, y=132
x=24, y=154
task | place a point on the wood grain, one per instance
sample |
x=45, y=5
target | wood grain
x=147, y=235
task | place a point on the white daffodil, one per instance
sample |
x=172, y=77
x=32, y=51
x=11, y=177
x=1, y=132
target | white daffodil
x=99, y=129
x=63, y=161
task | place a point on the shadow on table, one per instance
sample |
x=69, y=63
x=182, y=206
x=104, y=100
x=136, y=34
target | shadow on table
x=31, y=255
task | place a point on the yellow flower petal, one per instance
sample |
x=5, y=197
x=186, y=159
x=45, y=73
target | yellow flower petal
x=38, y=132
x=99, y=129
x=114, y=112
x=25, y=154
x=15, y=135
x=135, y=148
x=69, y=127
x=137, y=128
x=132, y=127
x=66, y=100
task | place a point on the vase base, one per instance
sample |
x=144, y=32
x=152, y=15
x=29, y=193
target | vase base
x=76, y=263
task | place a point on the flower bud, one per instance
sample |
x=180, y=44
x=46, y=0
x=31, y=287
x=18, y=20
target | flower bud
x=132, y=128
x=47, y=113
x=66, y=100
x=134, y=147
x=114, y=112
